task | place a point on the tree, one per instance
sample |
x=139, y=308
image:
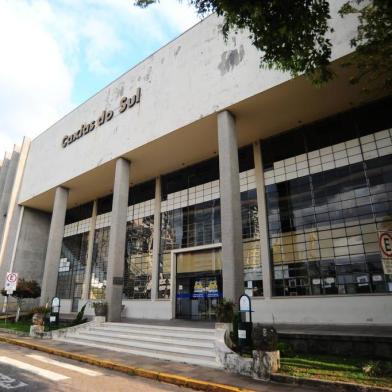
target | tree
x=373, y=42
x=24, y=289
x=293, y=35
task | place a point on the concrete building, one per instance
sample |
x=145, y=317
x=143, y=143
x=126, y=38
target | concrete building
x=196, y=175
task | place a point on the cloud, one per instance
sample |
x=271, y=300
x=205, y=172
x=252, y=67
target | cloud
x=55, y=54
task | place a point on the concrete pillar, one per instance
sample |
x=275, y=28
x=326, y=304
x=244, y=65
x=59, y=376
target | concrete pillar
x=55, y=241
x=232, y=249
x=118, y=228
x=156, y=240
x=263, y=222
x=90, y=249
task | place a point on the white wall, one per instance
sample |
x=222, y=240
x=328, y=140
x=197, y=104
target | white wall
x=146, y=309
x=190, y=78
x=359, y=309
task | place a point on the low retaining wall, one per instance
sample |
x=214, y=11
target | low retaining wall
x=376, y=347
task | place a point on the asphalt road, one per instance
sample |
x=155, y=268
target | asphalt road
x=24, y=370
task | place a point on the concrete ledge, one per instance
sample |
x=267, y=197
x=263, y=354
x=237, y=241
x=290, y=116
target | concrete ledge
x=336, y=386
x=132, y=370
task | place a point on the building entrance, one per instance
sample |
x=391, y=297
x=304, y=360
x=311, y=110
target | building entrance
x=198, y=296
x=198, y=284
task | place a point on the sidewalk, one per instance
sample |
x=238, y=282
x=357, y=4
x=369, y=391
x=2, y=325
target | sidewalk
x=193, y=376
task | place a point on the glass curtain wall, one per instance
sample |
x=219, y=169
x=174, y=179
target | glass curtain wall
x=139, y=242
x=72, y=266
x=190, y=214
x=329, y=192
x=74, y=252
x=253, y=279
x=99, y=263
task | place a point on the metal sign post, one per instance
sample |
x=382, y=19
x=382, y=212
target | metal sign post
x=11, y=280
x=54, y=312
x=244, y=326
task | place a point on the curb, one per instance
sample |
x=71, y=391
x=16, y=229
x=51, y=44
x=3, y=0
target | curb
x=178, y=380
x=336, y=386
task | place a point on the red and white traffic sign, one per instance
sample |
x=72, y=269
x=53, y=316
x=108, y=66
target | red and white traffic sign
x=385, y=241
x=11, y=281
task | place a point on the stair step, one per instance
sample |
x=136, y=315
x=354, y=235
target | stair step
x=194, y=359
x=156, y=332
x=204, y=331
x=207, y=352
x=188, y=342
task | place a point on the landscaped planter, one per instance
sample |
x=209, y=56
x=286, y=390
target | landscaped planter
x=100, y=308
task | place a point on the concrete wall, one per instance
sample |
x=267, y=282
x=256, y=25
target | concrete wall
x=192, y=77
x=359, y=309
x=31, y=250
x=6, y=190
x=147, y=309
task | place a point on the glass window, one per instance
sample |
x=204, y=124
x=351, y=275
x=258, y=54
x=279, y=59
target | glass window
x=72, y=266
x=138, y=258
x=323, y=223
x=99, y=263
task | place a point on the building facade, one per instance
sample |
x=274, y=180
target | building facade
x=199, y=175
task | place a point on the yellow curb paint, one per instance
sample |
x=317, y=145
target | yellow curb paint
x=145, y=373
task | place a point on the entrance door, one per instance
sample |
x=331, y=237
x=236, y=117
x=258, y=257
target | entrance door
x=198, y=284
x=197, y=296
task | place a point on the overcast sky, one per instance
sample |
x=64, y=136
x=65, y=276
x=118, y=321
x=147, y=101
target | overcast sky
x=55, y=54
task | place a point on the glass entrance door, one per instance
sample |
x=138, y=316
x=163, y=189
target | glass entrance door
x=198, y=284
x=198, y=295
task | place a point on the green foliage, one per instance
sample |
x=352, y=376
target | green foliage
x=25, y=289
x=264, y=338
x=40, y=309
x=286, y=349
x=225, y=311
x=377, y=368
x=79, y=317
x=333, y=368
x=373, y=42
x=234, y=334
x=293, y=35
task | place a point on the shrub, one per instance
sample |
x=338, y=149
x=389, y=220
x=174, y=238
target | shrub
x=40, y=309
x=79, y=317
x=377, y=368
x=264, y=338
x=24, y=289
x=285, y=349
x=225, y=311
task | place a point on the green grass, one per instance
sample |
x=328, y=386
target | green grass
x=331, y=368
x=24, y=325
x=21, y=326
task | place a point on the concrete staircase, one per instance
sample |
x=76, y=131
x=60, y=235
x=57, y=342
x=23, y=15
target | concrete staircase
x=179, y=344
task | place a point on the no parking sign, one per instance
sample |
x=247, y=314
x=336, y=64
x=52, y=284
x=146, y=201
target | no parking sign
x=385, y=243
x=10, y=282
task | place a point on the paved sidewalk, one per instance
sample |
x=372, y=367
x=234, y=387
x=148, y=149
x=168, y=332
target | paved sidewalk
x=178, y=369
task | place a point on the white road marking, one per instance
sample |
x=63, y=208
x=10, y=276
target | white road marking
x=68, y=366
x=8, y=382
x=33, y=369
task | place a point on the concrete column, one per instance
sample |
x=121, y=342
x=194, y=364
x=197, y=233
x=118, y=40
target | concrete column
x=156, y=240
x=116, y=254
x=232, y=250
x=90, y=249
x=263, y=222
x=55, y=241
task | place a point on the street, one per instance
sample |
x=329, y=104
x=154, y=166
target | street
x=23, y=369
x=28, y=370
